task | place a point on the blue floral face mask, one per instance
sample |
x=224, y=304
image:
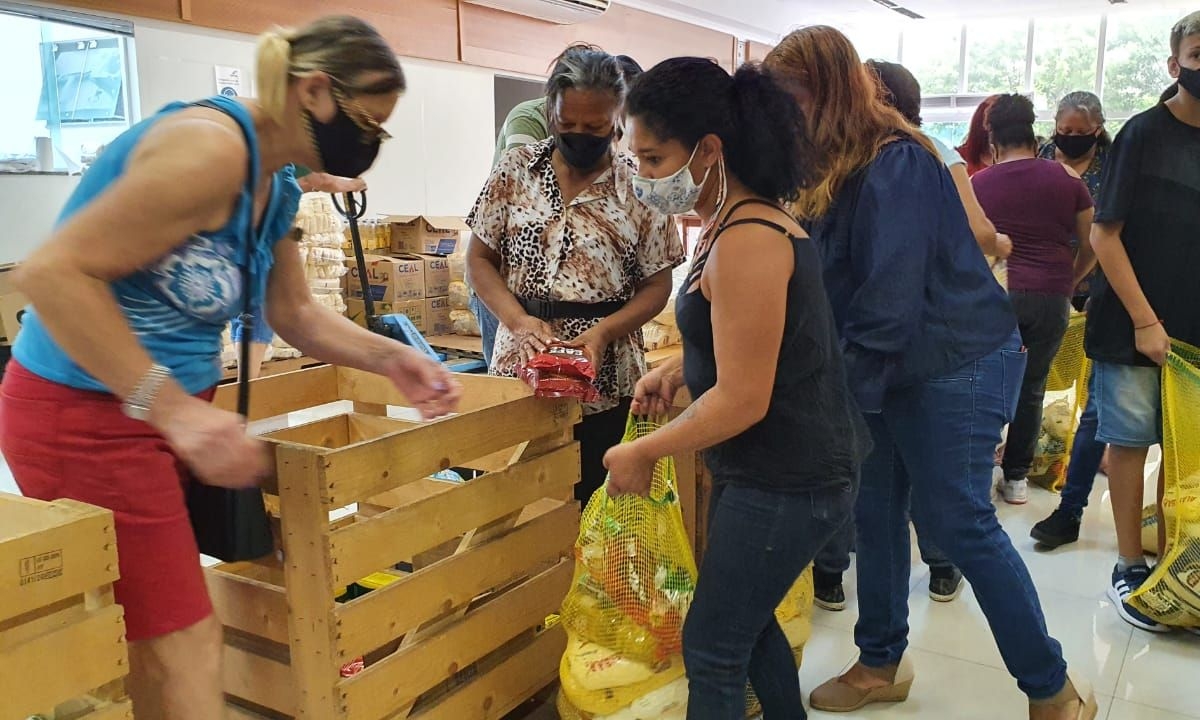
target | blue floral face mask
x=672, y=195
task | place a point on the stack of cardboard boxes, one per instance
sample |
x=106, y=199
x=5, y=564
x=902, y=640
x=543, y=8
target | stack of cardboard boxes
x=415, y=279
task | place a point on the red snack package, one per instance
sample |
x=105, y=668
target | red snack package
x=564, y=360
x=561, y=371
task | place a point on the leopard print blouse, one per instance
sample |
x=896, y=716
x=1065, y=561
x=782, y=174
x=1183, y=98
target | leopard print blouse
x=598, y=248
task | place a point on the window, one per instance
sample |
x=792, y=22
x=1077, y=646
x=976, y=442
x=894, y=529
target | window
x=1064, y=58
x=932, y=54
x=875, y=43
x=951, y=133
x=1135, y=62
x=996, y=56
x=69, y=81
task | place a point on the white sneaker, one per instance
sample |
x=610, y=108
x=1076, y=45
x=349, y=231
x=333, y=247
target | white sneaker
x=1015, y=492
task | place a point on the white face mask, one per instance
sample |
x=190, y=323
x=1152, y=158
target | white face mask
x=672, y=195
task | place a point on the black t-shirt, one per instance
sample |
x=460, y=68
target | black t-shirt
x=1152, y=184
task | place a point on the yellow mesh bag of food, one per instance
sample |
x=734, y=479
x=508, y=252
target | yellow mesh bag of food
x=1172, y=593
x=635, y=576
x=1069, y=371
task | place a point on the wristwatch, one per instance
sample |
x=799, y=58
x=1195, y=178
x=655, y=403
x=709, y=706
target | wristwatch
x=139, y=402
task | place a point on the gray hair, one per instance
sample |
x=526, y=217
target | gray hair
x=1084, y=102
x=585, y=67
x=1185, y=28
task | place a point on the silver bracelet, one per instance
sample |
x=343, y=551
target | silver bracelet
x=141, y=400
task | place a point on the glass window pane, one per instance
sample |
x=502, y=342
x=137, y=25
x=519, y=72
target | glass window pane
x=996, y=54
x=1135, y=61
x=875, y=43
x=1064, y=58
x=932, y=54
x=951, y=133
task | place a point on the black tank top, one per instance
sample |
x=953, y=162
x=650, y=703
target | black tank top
x=813, y=435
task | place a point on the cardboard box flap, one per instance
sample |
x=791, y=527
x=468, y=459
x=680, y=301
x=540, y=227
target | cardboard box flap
x=447, y=223
x=398, y=219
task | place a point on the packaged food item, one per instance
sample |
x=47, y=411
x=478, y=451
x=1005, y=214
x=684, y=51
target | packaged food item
x=560, y=372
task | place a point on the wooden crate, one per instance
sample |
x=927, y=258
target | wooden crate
x=62, y=638
x=460, y=635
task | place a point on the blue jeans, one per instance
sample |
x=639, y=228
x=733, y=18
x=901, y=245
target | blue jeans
x=937, y=439
x=759, y=543
x=834, y=558
x=1086, y=455
x=488, y=324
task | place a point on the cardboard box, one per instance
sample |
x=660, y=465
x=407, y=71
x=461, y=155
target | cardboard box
x=391, y=279
x=437, y=273
x=356, y=310
x=437, y=317
x=415, y=310
x=12, y=306
x=426, y=235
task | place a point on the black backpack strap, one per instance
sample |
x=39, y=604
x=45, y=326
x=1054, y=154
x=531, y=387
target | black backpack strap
x=247, y=316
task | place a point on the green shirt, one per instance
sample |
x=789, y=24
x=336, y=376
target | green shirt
x=526, y=124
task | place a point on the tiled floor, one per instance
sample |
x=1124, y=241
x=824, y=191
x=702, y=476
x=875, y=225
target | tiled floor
x=1138, y=676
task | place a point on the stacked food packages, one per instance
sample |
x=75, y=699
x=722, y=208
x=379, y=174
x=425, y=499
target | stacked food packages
x=461, y=317
x=662, y=331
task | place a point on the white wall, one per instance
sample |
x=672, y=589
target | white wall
x=437, y=162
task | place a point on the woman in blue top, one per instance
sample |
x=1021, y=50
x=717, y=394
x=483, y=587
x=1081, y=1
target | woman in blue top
x=105, y=401
x=933, y=356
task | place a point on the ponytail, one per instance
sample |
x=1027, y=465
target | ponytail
x=274, y=69
x=768, y=149
x=759, y=124
x=348, y=50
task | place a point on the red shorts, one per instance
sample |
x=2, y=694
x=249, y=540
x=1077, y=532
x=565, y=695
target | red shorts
x=66, y=443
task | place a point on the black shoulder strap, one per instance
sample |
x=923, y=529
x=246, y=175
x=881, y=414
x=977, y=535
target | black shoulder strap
x=247, y=317
x=754, y=221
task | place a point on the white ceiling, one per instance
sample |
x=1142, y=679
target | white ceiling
x=768, y=19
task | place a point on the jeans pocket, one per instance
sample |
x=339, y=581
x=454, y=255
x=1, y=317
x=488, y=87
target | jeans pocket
x=1013, y=373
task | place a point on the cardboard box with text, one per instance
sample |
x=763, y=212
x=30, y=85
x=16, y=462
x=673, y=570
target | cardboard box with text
x=437, y=316
x=391, y=279
x=423, y=234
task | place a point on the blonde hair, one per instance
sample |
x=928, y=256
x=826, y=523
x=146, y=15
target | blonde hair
x=851, y=118
x=1185, y=28
x=349, y=50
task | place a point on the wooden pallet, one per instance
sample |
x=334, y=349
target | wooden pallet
x=460, y=635
x=62, y=638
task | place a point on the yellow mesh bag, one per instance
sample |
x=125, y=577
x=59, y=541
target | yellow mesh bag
x=1069, y=371
x=1172, y=594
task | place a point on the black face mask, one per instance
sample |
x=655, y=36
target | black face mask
x=1189, y=80
x=343, y=146
x=581, y=150
x=1074, y=147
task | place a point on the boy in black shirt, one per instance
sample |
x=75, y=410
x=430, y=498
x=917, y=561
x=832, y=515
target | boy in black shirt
x=1147, y=239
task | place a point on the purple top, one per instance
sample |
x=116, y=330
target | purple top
x=1035, y=202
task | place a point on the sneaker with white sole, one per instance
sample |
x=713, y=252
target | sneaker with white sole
x=1015, y=492
x=1125, y=584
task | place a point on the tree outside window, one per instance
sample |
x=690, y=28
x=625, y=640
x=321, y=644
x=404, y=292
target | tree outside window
x=1064, y=58
x=1135, y=62
x=931, y=53
x=996, y=54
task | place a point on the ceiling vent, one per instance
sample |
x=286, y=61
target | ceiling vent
x=894, y=7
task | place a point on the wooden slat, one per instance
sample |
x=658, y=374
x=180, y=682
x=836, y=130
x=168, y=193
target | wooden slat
x=23, y=628
x=497, y=39
x=247, y=605
x=479, y=391
x=508, y=684
x=757, y=52
x=414, y=28
x=399, y=680
x=52, y=551
x=157, y=9
x=361, y=471
x=98, y=642
x=261, y=680
x=282, y=394
x=306, y=568
x=382, y=616
x=382, y=541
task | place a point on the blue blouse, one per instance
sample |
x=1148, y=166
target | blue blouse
x=912, y=295
x=178, y=306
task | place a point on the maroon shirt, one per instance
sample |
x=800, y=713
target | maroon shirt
x=1035, y=202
